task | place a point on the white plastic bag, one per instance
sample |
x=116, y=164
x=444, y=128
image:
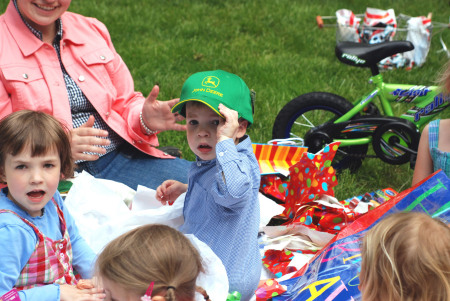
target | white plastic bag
x=347, y=26
x=419, y=33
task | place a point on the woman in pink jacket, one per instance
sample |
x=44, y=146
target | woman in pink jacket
x=65, y=64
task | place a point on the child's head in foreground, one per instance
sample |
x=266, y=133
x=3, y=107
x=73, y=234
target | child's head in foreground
x=201, y=102
x=151, y=254
x=406, y=256
x=34, y=155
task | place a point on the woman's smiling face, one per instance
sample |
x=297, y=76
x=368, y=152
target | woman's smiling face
x=42, y=14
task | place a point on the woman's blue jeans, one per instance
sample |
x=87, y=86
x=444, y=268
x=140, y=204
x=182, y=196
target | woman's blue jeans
x=132, y=167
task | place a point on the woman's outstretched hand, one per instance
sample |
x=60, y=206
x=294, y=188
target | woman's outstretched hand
x=157, y=114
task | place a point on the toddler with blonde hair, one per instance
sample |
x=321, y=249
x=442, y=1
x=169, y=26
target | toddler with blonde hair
x=152, y=262
x=406, y=257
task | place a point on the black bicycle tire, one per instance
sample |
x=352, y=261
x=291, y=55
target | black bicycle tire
x=413, y=144
x=325, y=101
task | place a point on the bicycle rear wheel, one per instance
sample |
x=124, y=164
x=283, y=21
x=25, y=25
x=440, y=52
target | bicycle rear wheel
x=307, y=111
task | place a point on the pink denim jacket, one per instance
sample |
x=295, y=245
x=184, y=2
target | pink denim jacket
x=31, y=76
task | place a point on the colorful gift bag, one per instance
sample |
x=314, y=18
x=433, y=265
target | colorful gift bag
x=312, y=176
x=277, y=158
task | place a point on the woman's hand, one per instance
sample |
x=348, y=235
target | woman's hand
x=87, y=139
x=157, y=114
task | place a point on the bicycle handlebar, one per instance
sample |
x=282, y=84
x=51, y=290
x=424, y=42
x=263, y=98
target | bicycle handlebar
x=319, y=21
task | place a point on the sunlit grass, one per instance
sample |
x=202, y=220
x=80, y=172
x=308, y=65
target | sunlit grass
x=275, y=46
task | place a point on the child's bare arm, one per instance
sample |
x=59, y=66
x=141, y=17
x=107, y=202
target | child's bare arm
x=424, y=163
x=169, y=191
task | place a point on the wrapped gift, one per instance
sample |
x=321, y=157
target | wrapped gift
x=269, y=289
x=275, y=187
x=321, y=217
x=279, y=262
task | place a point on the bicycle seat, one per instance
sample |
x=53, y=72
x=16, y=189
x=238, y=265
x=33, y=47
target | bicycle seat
x=368, y=55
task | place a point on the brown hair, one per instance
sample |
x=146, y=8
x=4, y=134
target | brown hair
x=197, y=104
x=406, y=257
x=40, y=132
x=152, y=253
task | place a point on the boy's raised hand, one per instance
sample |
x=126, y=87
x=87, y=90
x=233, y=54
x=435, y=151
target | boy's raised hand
x=169, y=191
x=228, y=129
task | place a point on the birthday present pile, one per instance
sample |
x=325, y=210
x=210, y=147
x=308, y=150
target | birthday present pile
x=311, y=218
x=333, y=273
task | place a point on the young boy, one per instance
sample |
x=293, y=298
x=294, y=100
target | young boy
x=221, y=205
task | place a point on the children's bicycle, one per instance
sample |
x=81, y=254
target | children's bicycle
x=321, y=118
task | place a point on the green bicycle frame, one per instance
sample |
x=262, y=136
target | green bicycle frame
x=427, y=101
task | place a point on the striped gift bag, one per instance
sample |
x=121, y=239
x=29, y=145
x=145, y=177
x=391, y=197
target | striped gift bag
x=276, y=158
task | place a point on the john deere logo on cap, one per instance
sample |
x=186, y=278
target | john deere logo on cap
x=211, y=82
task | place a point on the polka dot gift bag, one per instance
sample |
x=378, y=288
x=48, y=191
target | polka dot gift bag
x=311, y=177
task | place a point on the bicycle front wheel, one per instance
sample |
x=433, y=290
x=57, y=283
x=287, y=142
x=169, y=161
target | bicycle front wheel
x=307, y=111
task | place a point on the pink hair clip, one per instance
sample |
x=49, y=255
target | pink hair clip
x=148, y=293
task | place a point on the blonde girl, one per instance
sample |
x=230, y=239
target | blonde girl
x=152, y=262
x=406, y=257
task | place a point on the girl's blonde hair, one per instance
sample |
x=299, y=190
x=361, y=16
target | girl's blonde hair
x=40, y=132
x=152, y=253
x=406, y=256
x=444, y=78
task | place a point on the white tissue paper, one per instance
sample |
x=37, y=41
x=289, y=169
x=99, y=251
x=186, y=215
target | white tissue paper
x=101, y=211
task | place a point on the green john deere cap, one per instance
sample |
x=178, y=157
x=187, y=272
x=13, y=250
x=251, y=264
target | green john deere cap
x=217, y=87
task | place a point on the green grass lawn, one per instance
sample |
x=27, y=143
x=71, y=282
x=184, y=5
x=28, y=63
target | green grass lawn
x=275, y=46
